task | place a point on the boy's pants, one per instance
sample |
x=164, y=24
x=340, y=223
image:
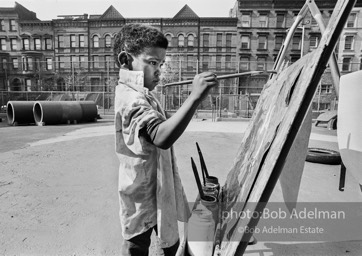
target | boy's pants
x=139, y=245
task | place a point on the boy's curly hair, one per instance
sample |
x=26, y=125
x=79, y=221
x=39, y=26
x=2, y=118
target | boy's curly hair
x=134, y=38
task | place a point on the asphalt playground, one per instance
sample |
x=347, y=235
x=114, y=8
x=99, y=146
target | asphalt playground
x=58, y=187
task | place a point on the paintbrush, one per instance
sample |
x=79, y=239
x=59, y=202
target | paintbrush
x=202, y=163
x=198, y=182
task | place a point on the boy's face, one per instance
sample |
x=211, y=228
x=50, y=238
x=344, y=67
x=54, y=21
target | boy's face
x=150, y=62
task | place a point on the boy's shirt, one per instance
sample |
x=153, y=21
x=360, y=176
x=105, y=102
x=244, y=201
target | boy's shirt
x=150, y=189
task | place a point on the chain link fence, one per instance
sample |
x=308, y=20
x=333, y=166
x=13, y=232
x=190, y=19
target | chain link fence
x=235, y=97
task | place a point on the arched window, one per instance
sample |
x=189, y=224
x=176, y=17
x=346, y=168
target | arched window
x=108, y=41
x=95, y=41
x=181, y=41
x=169, y=39
x=190, y=40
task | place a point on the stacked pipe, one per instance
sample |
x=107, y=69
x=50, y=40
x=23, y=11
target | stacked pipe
x=51, y=112
x=20, y=112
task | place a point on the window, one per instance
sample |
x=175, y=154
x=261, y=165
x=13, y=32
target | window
x=218, y=62
x=294, y=59
x=262, y=42
x=49, y=63
x=279, y=40
x=48, y=44
x=348, y=43
x=245, y=20
x=12, y=25
x=218, y=42
x=228, y=42
x=314, y=40
x=26, y=45
x=81, y=41
x=82, y=62
x=2, y=25
x=181, y=41
x=29, y=63
x=61, y=62
x=190, y=41
x=228, y=62
x=190, y=62
x=95, y=61
x=60, y=41
x=263, y=21
x=205, y=42
x=351, y=22
x=245, y=42
x=108, y=41
x=326, y=88
x=28, y=84
x=346, y=65
x=13, y=44
x=244, y=63
x=72, y=41
x=296, y=42
x=74, y=61
x=205, y=62
x=169, y=39
x=3, y=44
x=261, y=63
x=37, y=44
x=4, y=64
x=95, y=41
x=37, y=64
x=108, y=61
x=280, y=20
x=15, y=62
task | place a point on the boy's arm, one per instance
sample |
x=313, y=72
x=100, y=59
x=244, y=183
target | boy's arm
x=170, y=130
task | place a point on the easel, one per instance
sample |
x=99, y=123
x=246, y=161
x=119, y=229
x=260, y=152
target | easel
x=276, y=124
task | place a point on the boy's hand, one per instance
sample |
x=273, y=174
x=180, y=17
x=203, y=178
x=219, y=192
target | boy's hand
x=202, y=84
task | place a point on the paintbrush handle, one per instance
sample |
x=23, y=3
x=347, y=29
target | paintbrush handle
x=197, y=178
x=202, y=162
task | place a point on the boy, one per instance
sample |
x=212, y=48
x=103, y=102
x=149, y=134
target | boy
x=150, y=190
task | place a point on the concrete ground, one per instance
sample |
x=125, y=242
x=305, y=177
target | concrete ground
x=58, y=187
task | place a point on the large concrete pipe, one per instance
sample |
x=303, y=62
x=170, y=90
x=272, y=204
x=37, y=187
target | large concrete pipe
x=89, y=110
x=63, y=112
x=20, y=112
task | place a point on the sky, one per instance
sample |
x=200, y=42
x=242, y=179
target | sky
x=50, y=9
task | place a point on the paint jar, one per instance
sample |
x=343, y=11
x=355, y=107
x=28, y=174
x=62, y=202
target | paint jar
x=211, y=189
x=201, y=231
x=213, y=180
x=210, y=202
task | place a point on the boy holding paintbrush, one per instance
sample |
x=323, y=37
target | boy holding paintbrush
x=150, y=191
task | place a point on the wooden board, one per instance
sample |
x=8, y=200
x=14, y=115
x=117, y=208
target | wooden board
x=277, y=119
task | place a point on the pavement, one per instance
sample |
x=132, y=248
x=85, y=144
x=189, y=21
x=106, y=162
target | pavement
x=58, y=187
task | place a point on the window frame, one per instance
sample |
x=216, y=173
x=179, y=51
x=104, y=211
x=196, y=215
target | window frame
x=61, y=41
x=351, y=43
x=73, y=41
x=49, y=63
x=108, y=41
x=37, y=44
x=25, y=43
x=3, y=45
x=12, y=25
x=81, y=41
x=95, y=43
x=245, y=42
